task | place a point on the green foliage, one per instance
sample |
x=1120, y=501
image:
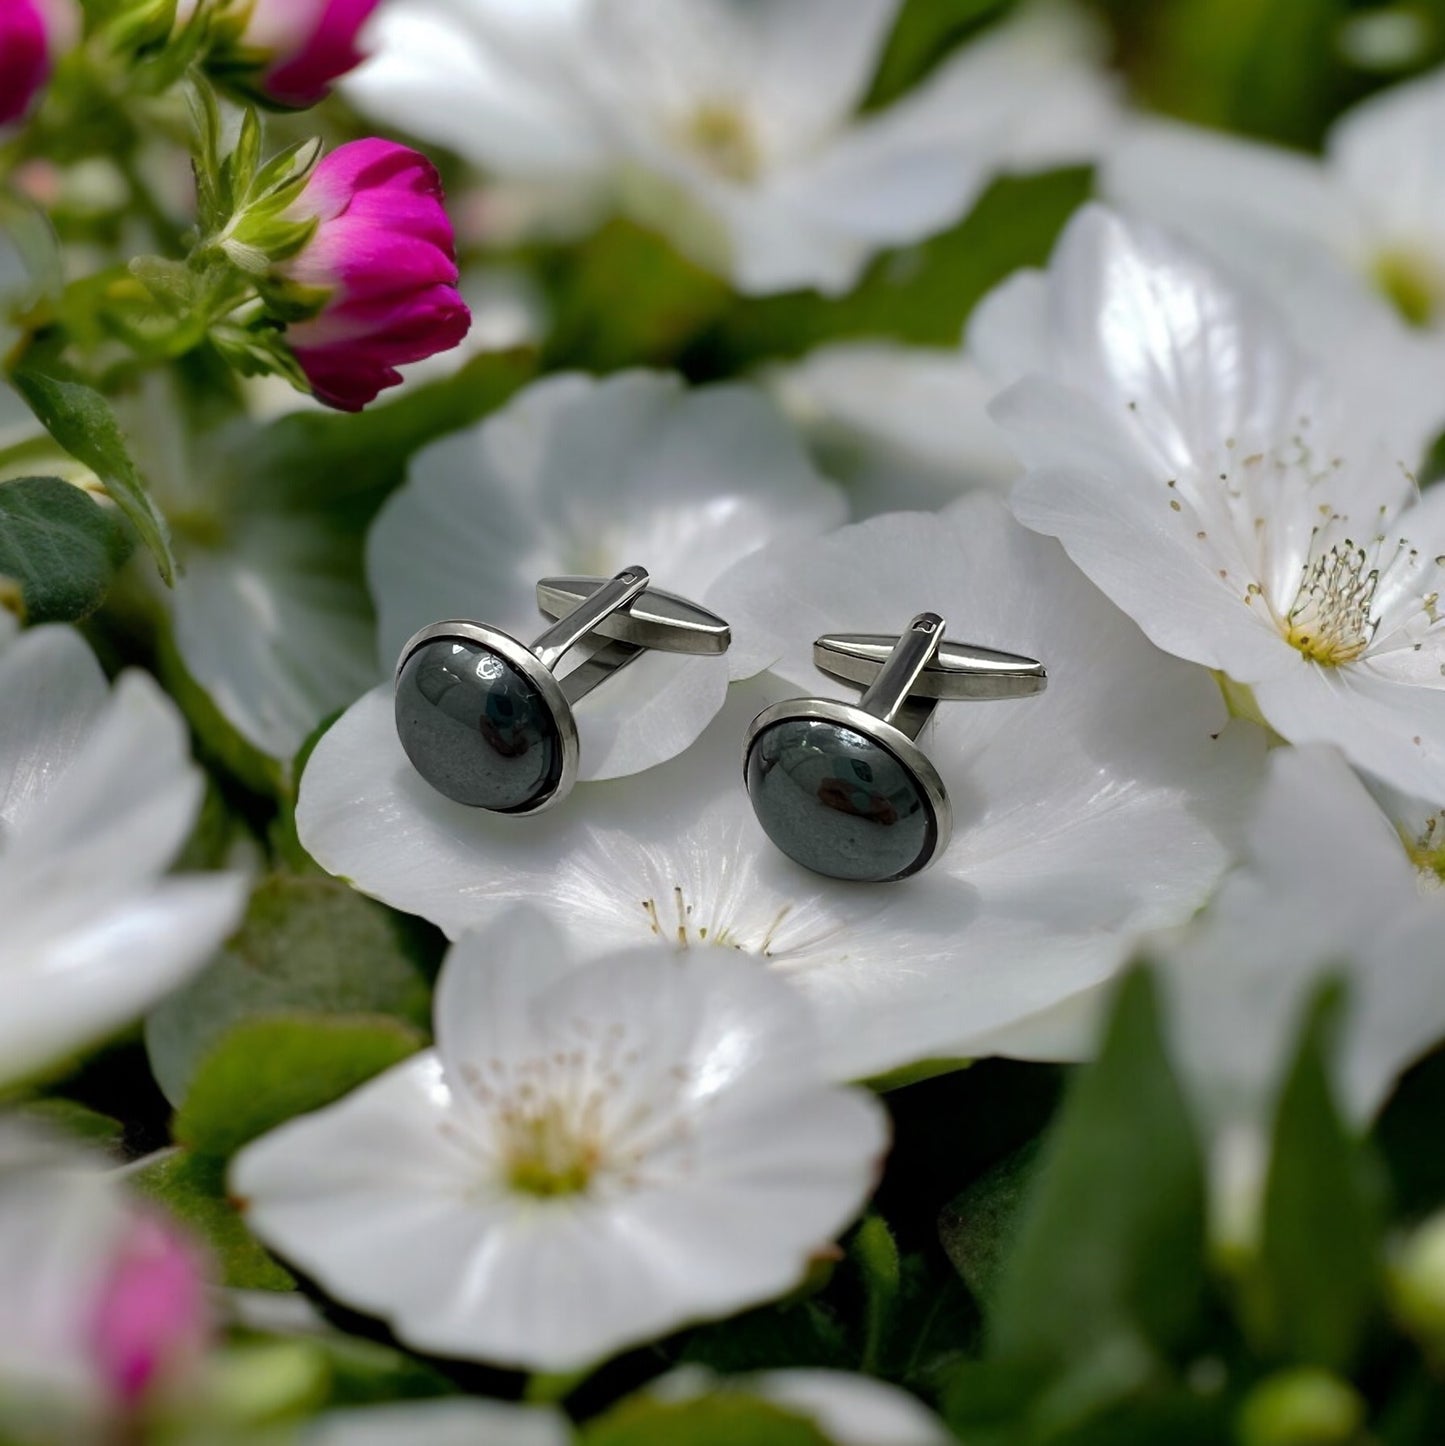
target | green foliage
x=60, y=546
x=923, y=35
x=723, y=1419
x=193, y=1189
x=1114, y=1233
x=1320, y=1261
x=922, y=295
x=875, y=1252
x=82, y=422
x=263, y=1072
x=979, y=1226
x=307, y=943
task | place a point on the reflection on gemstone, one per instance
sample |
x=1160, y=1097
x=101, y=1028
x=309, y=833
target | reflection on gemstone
x=839, y=803
x=476, y=728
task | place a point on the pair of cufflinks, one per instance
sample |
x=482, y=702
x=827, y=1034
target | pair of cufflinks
x=841, y=788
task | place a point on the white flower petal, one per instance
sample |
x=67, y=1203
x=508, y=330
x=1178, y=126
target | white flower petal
x=1310, y=237
x=51, y=692
x=1136, y=536
x=475, y=77
x=274, y=629
x=1393, y=727
x=1406, y=196
x=852, y=1410
x=109, y=968
x=1326, y=889
x=60, y=1217
x=1258, y=203
x=904, y=427
x=670, y=59
x=97, y=794
x=586, y=476
x=1022, y=94
x=716, y=1161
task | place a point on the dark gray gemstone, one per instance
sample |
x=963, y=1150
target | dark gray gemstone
x=839, y=803
x=475, y=728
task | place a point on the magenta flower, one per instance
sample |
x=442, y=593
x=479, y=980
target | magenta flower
x=152, y=1319
x=385, y=252
x=32, y=34
x=310, y=44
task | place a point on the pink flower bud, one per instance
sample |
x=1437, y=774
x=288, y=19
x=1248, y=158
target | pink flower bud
x=151, y=1320
x=384, y=250
x=32, y=34
x=310, y=44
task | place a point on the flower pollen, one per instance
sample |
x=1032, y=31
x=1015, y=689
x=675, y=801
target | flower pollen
x=1411, y=283
x=1330, y=621
x=574, y=1122
x=723, y=136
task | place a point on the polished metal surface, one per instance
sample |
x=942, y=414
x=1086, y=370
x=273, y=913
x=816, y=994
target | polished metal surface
x=956, y=671
x=897, y=742
x=588, y=614
x=653, y=619
x=526, y=662
x=620, y=614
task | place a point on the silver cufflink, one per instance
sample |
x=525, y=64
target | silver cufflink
x=843, y=788
x=487, y=721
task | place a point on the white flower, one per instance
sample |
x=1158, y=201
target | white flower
x=97, y=795
x=1326, y=889
x=269, y=612
x=589, y=1158
x=1219, y=491
x=464, y=1421
x=578, y=475
x=104, y=1302
x=1083, y=816
x=1351, y=245
x=905, y=427
x=848, y=1409
x=732, y=126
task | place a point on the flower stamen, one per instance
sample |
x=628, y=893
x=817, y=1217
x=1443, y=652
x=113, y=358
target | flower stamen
x=1330, y=620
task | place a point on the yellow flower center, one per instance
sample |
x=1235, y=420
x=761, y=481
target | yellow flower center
x=1329, y=621
x=546, y=1153
x=1412, y=283
x=723, y=136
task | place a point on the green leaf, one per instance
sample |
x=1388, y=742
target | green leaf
x=978, y=1228
x=307, y=943
x=875, y=1254
x=263, y=1072
x=324, y=458
x=1274, y=70
x=1109, y=1259
x=60, y=546
x=81, y=420
x=193, y=1189
x=924, y=34
x=1320, y=1257
x=722, y=1419
x=922, y=295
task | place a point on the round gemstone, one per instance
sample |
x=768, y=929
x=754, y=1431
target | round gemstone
x=839, y=803
x=476, y=728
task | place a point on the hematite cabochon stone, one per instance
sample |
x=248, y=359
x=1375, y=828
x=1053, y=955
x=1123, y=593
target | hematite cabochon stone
x=839, y=803
x=476, y=728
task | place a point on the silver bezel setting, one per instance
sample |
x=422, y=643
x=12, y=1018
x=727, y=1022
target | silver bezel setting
x=886, y=736
x=526, y=662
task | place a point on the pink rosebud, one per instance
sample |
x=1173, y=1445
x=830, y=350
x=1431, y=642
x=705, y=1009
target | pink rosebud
x=384, y=250
x=308, y=44
x=32, y=34
x=151, y=1320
